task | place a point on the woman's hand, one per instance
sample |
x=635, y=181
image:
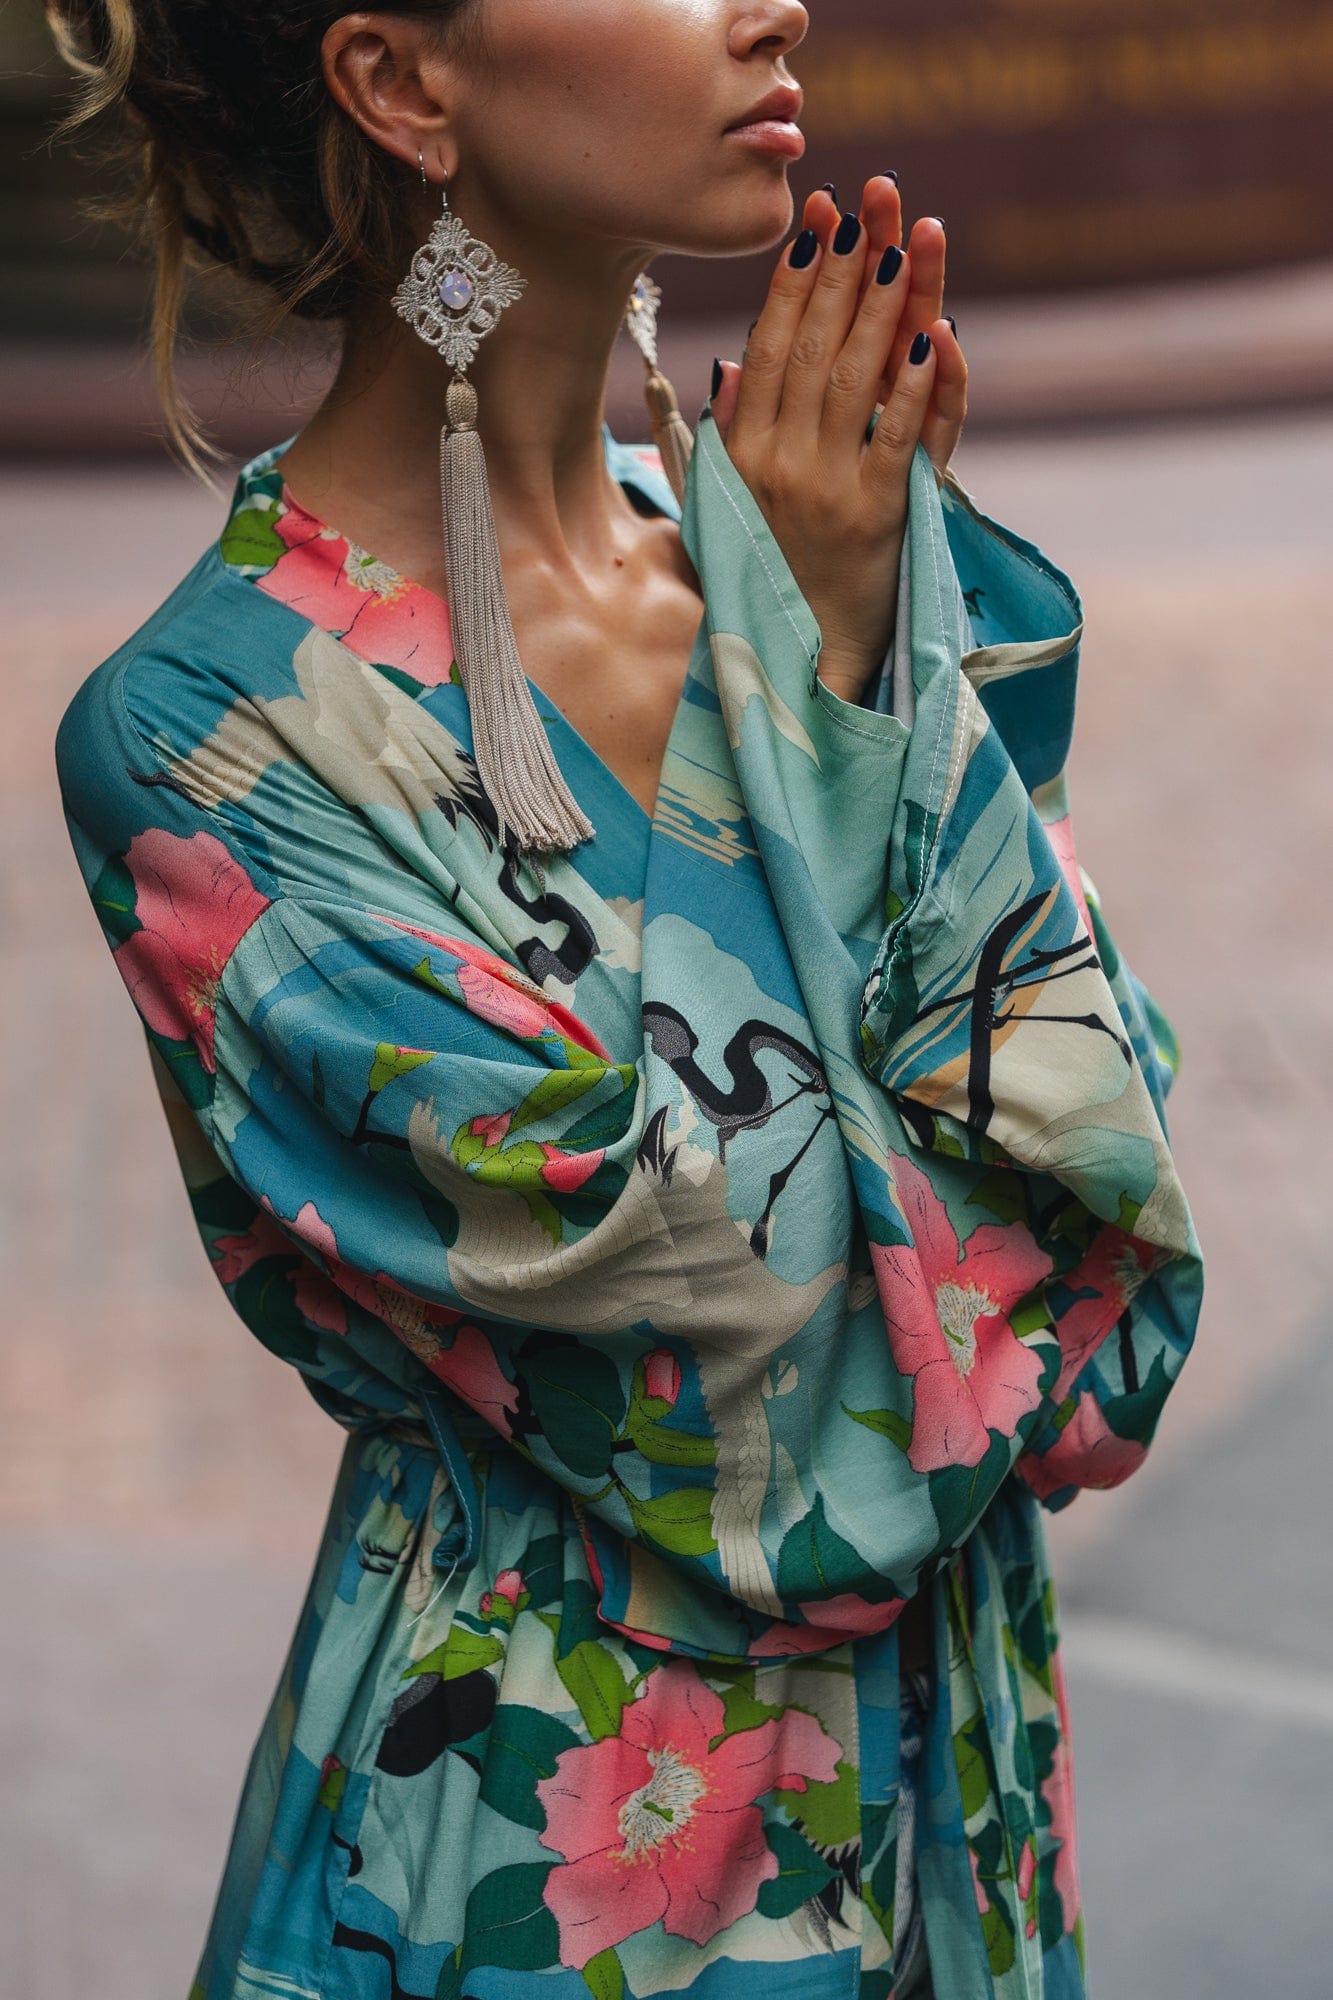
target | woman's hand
x=855, y=327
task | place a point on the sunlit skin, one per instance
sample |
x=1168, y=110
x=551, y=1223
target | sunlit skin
x=580, y=138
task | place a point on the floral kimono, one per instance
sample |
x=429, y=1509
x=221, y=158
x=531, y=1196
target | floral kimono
x=709, y=1239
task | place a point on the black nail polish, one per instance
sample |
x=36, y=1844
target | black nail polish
x=953, y=323
x=887, y=174
x=829, y=189
x=919, y=350
x=848, y=236
x=717, y=376
x=889, y=265
x=751, y=327
x=803, y=250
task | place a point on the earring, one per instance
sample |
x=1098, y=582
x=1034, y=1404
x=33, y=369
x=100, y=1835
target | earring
x=453, y=295
x=671, y=434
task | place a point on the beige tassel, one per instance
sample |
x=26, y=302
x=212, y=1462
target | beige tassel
x=513, y=754
x=671, y=434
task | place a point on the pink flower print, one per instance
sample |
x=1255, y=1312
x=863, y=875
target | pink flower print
x=233, y=1256
x=978, y=1886
x=1111, y=1272
x=507, y=1588
x=496, y=1001
x=947, y=1308
x=1087, y=1452
x=566, y=1172
x=492, y=1130
x=560, y=1018
x=661, y=1376
x=509, y=1584
x=382, y=616
x=1027, y=1869
x=1060, y=833
x=653, y=1825
x=829, y=1621
x=317, y=1297
x=1058, y=1792
x=195, y=902
x=470, y=1367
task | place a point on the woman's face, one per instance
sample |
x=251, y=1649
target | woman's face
x=606, y=122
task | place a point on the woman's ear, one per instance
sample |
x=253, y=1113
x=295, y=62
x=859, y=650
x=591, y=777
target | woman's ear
x=387, y=72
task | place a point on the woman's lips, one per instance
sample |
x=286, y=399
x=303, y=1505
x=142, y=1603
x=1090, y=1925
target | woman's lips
x=772, y=135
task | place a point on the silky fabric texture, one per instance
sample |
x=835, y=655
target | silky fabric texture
x=710, y=1240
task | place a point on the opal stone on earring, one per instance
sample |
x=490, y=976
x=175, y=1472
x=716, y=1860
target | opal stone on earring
x=455, y=290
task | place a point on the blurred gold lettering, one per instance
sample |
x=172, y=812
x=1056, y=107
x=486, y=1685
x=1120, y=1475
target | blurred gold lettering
x=857, y=86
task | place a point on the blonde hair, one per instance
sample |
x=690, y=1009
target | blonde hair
x=239, y=158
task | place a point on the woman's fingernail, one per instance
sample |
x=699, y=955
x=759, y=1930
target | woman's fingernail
x=887, y=174
x=889, y=265
x=919, y=350
x=832, y=192
x=848, y=236
x=717, y=376
x=803, y=250
x=751, y=327
x=953, y=323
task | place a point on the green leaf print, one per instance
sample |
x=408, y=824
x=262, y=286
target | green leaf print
x=522, y=1748
x=578, y=1401
x=742, y=1709
x=973, y=1774
x=660, y=1444
x=507, y=1924
x=557, y=1089
x=999, y=1936
x=391, y=1062
x=1000, y=1193
x=802, y=1872
x=830, y=1814
x=815, y=1561
x=884, y=1423
x=113, y=895
x=681, y=1521
x=463, y=1652
x=603, y=1977
x=251, y=540
x=596, y=1684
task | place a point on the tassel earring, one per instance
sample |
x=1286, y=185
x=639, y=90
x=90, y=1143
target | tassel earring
x=671, y=434
x=453, y=295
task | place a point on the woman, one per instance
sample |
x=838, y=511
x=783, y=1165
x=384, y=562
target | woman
x=720, y=1229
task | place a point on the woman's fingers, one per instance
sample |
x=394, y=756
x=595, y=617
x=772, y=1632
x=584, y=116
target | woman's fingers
x=764, y=374
x=901, y=421
x=725, y=396
x=925, y=302
x=818, y=342
x=948, y=404
x=852, y=383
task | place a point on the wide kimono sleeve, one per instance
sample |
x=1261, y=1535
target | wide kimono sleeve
x=1014, y=1176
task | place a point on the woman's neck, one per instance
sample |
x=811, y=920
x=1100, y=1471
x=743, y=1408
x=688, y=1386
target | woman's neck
x=368, y=461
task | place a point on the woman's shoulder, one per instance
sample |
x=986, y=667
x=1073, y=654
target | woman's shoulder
x=213, y=634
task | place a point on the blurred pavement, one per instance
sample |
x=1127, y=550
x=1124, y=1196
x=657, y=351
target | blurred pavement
x=163, y=1480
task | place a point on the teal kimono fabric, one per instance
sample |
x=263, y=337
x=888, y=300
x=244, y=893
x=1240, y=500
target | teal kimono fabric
x=710, y=1240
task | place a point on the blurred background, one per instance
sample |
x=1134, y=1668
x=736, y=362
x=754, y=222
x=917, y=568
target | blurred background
x=1140, y=202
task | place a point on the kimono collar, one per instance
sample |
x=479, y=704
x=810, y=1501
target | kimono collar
x=351, y=593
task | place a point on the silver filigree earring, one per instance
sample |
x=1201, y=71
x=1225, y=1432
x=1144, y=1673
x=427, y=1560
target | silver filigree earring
x=453, y=295
x=671, y=434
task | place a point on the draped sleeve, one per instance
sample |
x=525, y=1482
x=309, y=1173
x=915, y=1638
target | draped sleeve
x=1015, y=1176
